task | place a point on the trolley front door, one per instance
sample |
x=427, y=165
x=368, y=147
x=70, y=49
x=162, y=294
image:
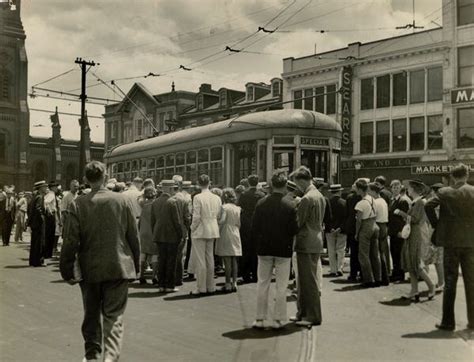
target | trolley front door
x=316, y=161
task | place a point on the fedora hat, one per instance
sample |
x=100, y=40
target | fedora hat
x=437, y=186
x=291, y=186
x=187, y=184
x=40, y=184
x=335, y=188
x=167, y=183
x=416, y=181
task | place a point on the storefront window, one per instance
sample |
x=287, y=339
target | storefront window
x=435, y=132
x=383, y=136
x=466, y=65
x=308, y=102
x=465, y=12
x=417, y=86
x=400, y=89
x=435, y=84
x=466, y=128
x=367, y=93
x=399, y=137
x=366, y=137
x=298, y=103
x=320, y=99
x=417, y=133
x=383, y=91
x=331, y=99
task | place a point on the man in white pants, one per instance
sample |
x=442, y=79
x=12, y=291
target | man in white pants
x=335, y=231
x=274, y=225
x=204, y=230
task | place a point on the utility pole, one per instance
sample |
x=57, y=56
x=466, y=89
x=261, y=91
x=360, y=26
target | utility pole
x=84, y=153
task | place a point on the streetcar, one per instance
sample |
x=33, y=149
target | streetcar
x=229, y=150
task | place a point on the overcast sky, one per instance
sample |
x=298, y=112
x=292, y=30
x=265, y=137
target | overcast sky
x=135, y=37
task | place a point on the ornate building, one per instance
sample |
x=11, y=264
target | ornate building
x=14, y=113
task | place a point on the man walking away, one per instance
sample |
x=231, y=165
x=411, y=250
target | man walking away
x=36, y=217
x=454, y=231
x=384, y=193
x=102, y=235
x=335, y=231
x=168, y=234
x=207, y=209
x=133, y=194
x=308, y=246
x=273, y=226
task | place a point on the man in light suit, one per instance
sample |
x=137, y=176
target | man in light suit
x=204, y=230
x=101, y=233
x=454, y=231
x=308, y=247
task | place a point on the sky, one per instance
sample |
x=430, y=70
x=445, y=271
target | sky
x=132, y=38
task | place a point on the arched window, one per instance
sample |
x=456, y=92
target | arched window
x=40, y=171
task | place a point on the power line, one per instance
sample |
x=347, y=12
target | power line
x=34, y=95
x=64, y=113
x=70, y=94
x=55, y=77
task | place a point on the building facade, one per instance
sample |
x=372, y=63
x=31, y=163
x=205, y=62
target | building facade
x=405, y=104
x=14, y=113
x=57, y=159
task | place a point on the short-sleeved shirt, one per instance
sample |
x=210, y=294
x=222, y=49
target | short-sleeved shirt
x=381, y=210
x=366, y=206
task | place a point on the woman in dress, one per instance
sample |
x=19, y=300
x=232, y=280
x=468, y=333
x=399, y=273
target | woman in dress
x=419, y=236
x=229, y=245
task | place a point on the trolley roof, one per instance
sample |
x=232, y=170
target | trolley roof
x=286, y=118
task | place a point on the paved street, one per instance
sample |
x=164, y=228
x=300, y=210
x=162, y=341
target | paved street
x=40, y=319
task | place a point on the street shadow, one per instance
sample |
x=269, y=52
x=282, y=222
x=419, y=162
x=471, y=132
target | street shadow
x=194, y=296
x=142, y=286
x=59, y=281
x=343, y=281
x=397, y=302
x=252, y=333
x=17, y=266
x=350, y=288
x=154, y=294
x=435, y=334
x=24, y=259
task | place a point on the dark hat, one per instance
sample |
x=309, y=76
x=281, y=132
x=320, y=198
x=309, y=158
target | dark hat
x=437, y=186
x=335, y=188
x=290, y=185
x=40, y=184
x=417, y=181
x=53, y=184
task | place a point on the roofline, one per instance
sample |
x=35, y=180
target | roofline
x=236, y=107
x=362, y=44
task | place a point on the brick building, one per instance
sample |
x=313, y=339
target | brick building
x=405, y=104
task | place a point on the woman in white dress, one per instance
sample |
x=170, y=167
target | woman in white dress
x=229, y=245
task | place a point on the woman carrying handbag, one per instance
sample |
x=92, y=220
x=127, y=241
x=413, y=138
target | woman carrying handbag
x=417, y=228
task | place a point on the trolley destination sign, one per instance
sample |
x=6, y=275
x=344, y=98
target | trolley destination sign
x=313, y=141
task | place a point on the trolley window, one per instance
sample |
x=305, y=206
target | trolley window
x=191, y=157
x=134, y=165
x=180, y=159
x=151, y=164
x=216, y=153
x=203, y=155
x=160, y=162
x=120, y=167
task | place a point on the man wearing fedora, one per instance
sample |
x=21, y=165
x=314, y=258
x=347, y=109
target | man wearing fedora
x=8, y=217
x=335, y=231
x=102, y=235
x=168, y=234
x=36, y=221
x=454, y=231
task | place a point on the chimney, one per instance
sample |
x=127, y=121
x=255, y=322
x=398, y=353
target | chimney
x=353, y=50
x=205, y=87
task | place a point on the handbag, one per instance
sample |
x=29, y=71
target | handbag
x=405, y=233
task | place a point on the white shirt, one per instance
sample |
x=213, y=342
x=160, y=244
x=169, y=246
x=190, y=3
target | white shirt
x=381, y=210
x=207, y=209
x=366, y=206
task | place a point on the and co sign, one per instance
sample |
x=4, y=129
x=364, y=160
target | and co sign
x=346, y=147
x=464, y=95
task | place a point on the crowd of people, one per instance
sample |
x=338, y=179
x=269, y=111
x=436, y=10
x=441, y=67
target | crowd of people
x=114, y=232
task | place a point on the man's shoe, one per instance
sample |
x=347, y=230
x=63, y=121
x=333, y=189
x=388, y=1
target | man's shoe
x=154, y=281
x=295, y=319
x=161, y=290
x=277, y=324
x=304, y=323
x=445, y=327
x=340, y=273
x=142, y=281
x=258, y=324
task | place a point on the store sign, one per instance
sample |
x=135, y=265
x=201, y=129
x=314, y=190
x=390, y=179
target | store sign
x=380, y=163
x=313, y=141
x=439, y=168
x=464, y=95
x=346, y=110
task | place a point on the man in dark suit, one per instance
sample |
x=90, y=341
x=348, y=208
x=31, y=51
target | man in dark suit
x=454, y=231
x=395, y=226
x=101, y=233
x=168, y=234
x=36, y=217
x=248, y=202
x=8, y=216
x=352, y=199
x=384, y=193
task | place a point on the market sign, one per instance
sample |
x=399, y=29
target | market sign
x=439, y=168
x=463, y=95
x=346, y=119
x=313, y=141
x=380, y=163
